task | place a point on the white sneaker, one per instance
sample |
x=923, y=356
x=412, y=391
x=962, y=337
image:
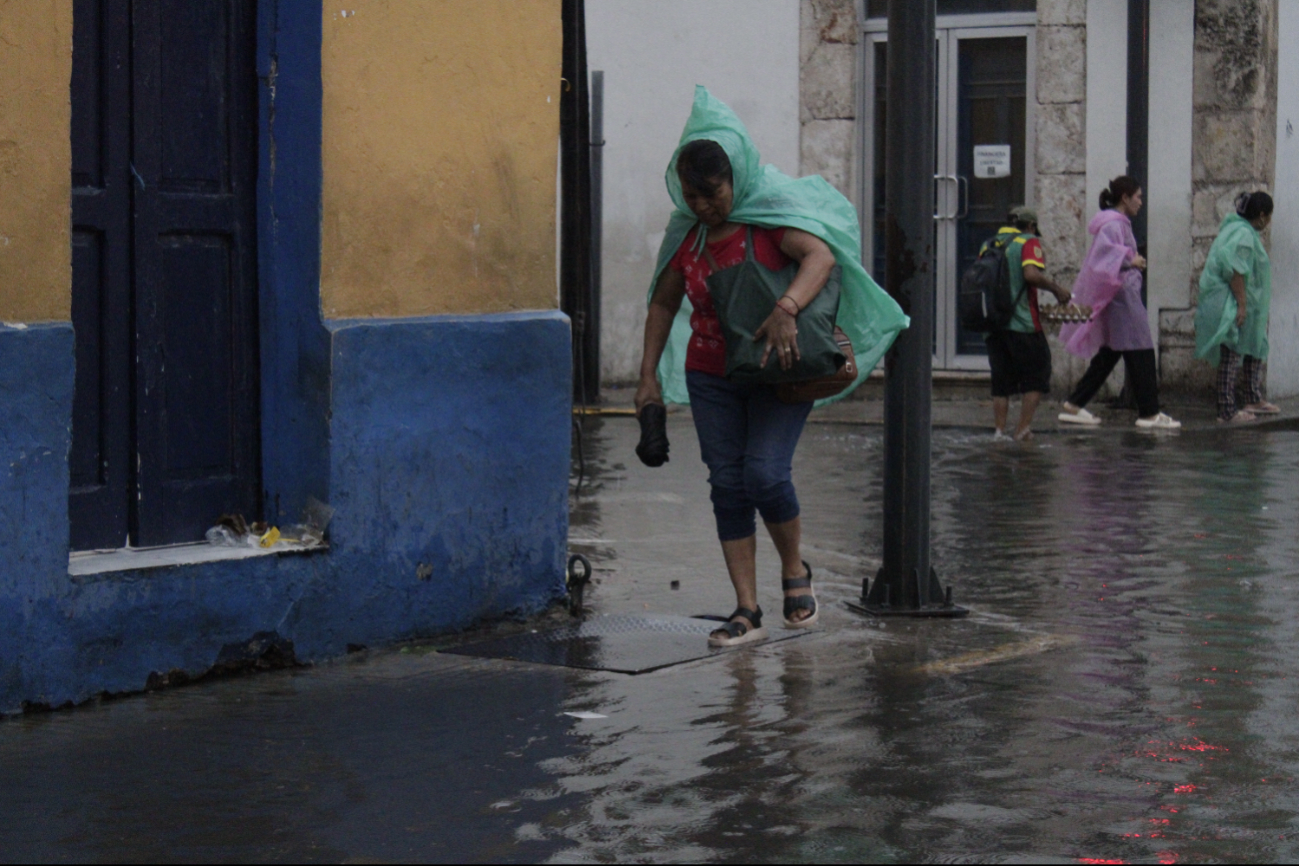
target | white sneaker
x=1082, y=416
x=1159, y=422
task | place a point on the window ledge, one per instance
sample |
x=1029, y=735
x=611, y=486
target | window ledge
x=89, y=563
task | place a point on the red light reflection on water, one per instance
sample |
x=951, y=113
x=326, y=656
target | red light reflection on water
x=1185, y=789
x=1098, y=860
x=1201, y=746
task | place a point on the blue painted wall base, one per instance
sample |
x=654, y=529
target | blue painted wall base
x=448, y=461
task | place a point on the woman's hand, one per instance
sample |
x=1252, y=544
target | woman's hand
x=649, y=391
x=781, y=332
x=1238, y=292
x=1138, y=261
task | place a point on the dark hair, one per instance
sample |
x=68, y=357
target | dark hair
x=1021, y=224
x=1252, y=205
x=703, y=165
x=1118, y=188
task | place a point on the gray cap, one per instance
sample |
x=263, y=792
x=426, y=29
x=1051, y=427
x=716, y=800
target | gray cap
x=1023, y=214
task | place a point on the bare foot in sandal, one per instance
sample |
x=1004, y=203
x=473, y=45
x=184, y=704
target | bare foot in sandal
x=801, y=609
x=745, y=627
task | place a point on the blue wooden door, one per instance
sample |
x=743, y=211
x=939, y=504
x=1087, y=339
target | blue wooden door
x=164, y=270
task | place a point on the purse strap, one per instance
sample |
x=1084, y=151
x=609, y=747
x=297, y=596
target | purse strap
x=748, y=250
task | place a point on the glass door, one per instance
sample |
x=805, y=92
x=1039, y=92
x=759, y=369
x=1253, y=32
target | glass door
x=983, y=161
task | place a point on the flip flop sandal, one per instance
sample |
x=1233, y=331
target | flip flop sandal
x=1242, y=416
x=737, y=633
x=1082, y=416
x=796, y=603
x=1264, y=408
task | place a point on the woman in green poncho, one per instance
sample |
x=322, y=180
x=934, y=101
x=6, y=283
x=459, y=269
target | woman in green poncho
x=726, y=200
x=1235, y=297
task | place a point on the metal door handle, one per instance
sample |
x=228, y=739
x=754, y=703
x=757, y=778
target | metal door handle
x=954, y=178
x=962, y=213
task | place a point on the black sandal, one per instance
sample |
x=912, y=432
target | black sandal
x=737, y=633
x=796, y=603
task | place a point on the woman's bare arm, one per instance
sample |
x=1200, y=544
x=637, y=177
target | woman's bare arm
x=815, y=261
x=663, y=308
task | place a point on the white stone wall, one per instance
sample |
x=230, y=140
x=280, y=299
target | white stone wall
x=1283, y=363
x=829, y=32
x=652, y=54
x=1233, y=149
x=1168, y=186
x=1062, y=166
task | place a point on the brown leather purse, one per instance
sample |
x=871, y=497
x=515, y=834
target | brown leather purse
x=807, y=390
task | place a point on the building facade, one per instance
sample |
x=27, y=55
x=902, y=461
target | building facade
x=1191, y=96
x=257, y=255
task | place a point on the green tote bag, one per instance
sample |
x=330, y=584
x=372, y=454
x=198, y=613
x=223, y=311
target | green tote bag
x=745, y=295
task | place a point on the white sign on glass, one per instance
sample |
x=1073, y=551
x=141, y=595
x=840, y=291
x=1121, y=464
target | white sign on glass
x=992, y=160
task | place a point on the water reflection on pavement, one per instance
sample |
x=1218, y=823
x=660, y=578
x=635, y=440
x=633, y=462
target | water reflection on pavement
x=1123, y=690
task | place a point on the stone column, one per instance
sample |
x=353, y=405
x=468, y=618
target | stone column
x=1061, y=186
x=828, y=34
x=1233, y=143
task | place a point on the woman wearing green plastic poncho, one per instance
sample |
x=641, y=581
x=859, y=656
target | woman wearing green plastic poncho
x=1235, y=299
x=747, y=437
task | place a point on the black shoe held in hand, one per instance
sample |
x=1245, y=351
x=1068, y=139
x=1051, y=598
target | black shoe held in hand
x=653, y=447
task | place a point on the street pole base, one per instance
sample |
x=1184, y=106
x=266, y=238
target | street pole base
x=950, y=611
x=877, y=598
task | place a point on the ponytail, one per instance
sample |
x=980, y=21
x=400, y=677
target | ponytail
x=1252, y=205
x=1118, y=188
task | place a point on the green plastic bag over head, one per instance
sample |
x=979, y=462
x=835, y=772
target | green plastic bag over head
x=1237, y=250
x=768, y=198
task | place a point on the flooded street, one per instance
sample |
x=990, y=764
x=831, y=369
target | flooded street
x=1123, y=690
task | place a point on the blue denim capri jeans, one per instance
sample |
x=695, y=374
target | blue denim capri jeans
x=747, y=439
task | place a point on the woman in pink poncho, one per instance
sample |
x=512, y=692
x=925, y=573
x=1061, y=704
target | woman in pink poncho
x=1110, y=283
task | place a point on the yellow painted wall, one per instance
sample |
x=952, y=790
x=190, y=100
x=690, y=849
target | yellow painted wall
x=440, y=146
x=35, y=160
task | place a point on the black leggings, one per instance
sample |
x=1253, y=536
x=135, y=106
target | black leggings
x=1143, y=378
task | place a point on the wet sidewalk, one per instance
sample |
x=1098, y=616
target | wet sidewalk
x=1124, y=689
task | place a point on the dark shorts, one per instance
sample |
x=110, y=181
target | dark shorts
x=1020, y=363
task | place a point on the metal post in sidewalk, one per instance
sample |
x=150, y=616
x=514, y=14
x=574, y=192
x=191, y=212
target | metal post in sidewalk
x=907, y=584
x=596, y=299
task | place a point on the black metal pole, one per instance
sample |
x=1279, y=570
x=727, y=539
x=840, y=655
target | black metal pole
x=593, y=316
x=575, y=195
x=907, y=583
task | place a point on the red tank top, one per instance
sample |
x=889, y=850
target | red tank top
x=707, y=351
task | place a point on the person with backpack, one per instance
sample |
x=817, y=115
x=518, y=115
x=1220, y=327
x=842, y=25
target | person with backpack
x=1018, y=354
x=1232, y=314
x=1110, y=283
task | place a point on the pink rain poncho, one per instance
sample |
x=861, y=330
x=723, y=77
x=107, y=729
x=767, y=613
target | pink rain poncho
x=1112, y=288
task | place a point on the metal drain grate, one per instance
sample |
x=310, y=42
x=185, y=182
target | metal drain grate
x=625, y=643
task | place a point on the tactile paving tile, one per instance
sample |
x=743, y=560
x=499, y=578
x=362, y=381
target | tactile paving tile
x=623, y=643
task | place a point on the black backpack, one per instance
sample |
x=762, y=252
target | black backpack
x=985, y=302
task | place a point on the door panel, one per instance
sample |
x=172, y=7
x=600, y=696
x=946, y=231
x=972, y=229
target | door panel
x=992, y=88
x=100, y=463
x=195, y=268
x=983, y=78
x=166, y=430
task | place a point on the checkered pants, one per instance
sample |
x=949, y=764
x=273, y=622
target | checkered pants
x=1228, y=366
